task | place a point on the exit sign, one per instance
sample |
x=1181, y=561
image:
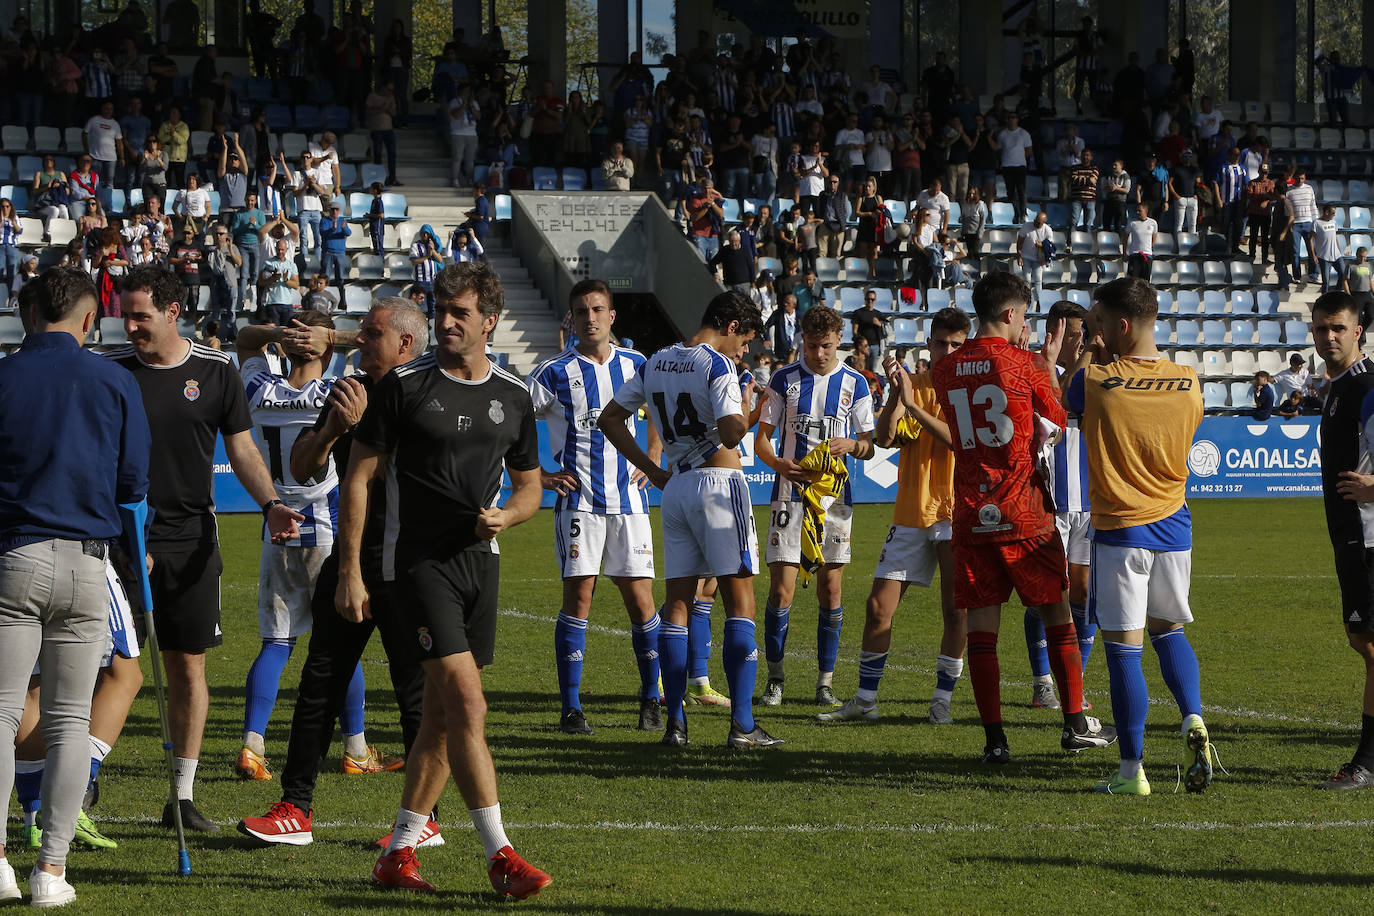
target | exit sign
x=618, y=282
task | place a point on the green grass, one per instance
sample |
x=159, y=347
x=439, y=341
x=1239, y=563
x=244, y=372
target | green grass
x=896, y=817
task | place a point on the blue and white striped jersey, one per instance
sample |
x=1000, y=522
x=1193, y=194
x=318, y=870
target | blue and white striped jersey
x=686, y=389
x=569, y=392
x=1068, y=470
x=280, y=414
x=805, y=409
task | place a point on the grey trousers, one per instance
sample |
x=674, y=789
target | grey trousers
x=54, y=610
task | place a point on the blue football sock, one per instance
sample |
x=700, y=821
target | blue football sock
x=569, y=646
x=264, y=677
x=1036, y=645
x=871, y=666
x=741, y=656
x=98, y=751
x=947, y=673
x=775, y=623
x=699, y=640
x=1087, y=631
x=351, y=715
x=672, y=661
x=828, y=639
x=28, y=783
x=644, y=639
x=1130, y=698
x=1178, y=664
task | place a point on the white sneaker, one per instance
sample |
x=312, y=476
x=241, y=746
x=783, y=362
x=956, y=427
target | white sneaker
x=9, y=887
x=939, y=711
x=47, y=889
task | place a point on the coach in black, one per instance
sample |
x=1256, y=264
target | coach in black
x=191, y=393
x=74, y=446
x=1347, y=426
x=441, y=427
x=394, y=332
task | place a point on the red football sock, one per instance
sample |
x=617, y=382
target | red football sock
x=1067, y=665
x=986, y=675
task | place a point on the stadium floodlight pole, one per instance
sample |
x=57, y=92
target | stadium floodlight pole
x=133, y=518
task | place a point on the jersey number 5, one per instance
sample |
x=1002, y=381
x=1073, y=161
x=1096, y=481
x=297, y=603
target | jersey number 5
x=685, y=423
x=996, y=429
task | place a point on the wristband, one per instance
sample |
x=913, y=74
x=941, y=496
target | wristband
x=267, y=506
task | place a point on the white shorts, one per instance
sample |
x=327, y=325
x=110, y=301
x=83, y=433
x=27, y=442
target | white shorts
x=1075, y=531
x=286, y=580
x=617, y=545
x=708, y=525
x=785, y=532
x=909, y=554
x=1128, y=584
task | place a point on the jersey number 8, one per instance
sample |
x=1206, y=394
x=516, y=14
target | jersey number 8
x=997, y=429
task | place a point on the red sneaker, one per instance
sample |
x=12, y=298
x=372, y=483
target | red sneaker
x=400, y=869
x=512, y=876
x=429, y=837
x=283, y=824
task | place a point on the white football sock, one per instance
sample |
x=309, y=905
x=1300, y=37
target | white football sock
x=185, y=769
x=409, y=825
x=488, y=824
x=355, y=746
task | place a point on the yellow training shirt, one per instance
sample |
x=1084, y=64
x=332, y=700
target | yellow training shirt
x=925, y=470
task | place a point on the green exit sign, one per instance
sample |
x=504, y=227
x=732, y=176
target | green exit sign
x=618, y=282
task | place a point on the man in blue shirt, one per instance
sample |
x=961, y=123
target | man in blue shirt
x=244, y=229
x=74, y=446
x=334, y=262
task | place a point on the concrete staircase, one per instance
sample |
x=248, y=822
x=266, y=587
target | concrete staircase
x=527, y=332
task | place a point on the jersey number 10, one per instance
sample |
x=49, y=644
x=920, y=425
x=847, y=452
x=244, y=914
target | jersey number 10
x=997, y=428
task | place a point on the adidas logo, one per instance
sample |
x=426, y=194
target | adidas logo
x=573, y=656
x=752, y=656
x=1354, y=617
x=218, y=631
x=650, y=655
x=433, y=406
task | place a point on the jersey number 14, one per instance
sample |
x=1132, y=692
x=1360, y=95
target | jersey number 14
x=685, y=423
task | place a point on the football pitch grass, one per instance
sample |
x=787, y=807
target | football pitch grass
x=887, y=818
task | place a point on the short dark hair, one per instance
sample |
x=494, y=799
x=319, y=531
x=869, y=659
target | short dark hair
x=821, y=319
x=475, y=277
x=1128, y=297
x=731, y=306
x=58, y=293
x=587, y=287
x=952, y=320
x=1067, y=311
x=1336, y=301
x=158, y=282
x=996, y=291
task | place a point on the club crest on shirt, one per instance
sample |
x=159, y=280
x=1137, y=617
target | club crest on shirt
x=426, y=641
x=192, y=390
x=496, y=412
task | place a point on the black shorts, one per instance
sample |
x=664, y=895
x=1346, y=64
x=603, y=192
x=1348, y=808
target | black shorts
x=1355, y=573
x=186, y=597
x=449, y=603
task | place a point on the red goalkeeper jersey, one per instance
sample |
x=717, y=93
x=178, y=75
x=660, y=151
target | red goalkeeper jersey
x=990, y=393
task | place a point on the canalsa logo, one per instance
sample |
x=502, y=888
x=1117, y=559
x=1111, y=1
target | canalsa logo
x=1204, y=458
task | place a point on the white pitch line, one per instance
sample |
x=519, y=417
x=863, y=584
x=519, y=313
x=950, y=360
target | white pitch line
x=660, y=827
x=1237, y=712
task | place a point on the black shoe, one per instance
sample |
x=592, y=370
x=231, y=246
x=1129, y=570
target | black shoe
x=191, y=818
x=650, y=718
x=676, y=733
x=92, y=797
x=1095, y=735
x=1351, y=776
x=574, y=723
x=998, y=754
x=756, y=738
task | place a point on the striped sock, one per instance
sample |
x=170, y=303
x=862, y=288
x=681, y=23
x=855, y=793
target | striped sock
x=947, y=673
x=569, y=646
x=871, y=666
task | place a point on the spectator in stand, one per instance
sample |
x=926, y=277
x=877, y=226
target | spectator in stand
x=1294, y=379
x=1254, y=157
x=233, y=180
x=811, y=173
x=48, y=198
x=144, y=254
x=669, y=158
x=1083, y=192
x=1263, y=397
x=175, y=136
x=867, y=209
x=309, y=204
x=91, y=222
x=1116, y=187
x=704, y=216
x=957, y=144
x=765, y=146
x=135, y=127
x=244, y=232
x=463, y=247
x=82, y=186
x=1229, y=188
x=973, y=219
x=849, y=155
x=193, y=204
x=1259, y=194
x=1338, y=81
x=618, y=171
x=1281, y=217
x=427, y=258
x=878, y=146
x=982, y=160
x=548, y=124
x=152, y=170
x=765, y=233
x=376, y=219
x=1070, y=149
x=99, y=79
x=1359, y=278
x=1158, y=76
x=832, y=206
x=733, y=264
x=479, y=217
x=277, y=285
x=1152, y=187
x=319, y=297
x=464, y=114
x=858, y=360
x=381, y=113
x=809, y=292
x=1290, y=407
x=1014, y=145
x=224, y=262
x=1183, y=179
x=761, y=294
x=185, y=257
x=1326, y=248
x=735, y=156
x=1139, y=242
x=1304, y=199
x=781, y=329
x=934, y=200
x=577, y=132
x=1170, y=147
x=10, y=256
x=871, y=326
x=954, y=268
x=334, y=233
x=1030, y=251
x=278, y=229
x=639, y=120
x=906, y=156
x=1206, y=123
